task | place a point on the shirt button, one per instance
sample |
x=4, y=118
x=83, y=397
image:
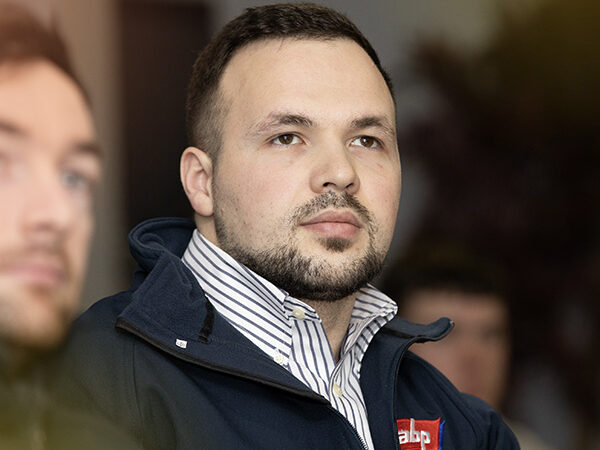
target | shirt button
x=278, y=358
x=337, y=390
x=298, y=312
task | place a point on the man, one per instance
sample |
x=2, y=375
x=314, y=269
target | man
x=254, y=326
x=49, y=168
x=445, y=280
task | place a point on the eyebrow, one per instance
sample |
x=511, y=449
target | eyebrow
x=274, y=120
x=80, y=147
x=9, y=128
x=374, y=122
x=88, y=147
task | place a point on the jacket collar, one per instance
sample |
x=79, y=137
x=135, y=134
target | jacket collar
x=169, y=310
x=419, y=332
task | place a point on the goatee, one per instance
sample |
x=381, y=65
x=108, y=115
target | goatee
x=304, y=277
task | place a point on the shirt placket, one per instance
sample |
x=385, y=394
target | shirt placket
x=314, y=360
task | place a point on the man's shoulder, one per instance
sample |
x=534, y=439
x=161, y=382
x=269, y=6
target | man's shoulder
x=94, y=347
x=464, y=415
x=423, y=393
x=99, y=319
x=70, y=429
x=95, y=364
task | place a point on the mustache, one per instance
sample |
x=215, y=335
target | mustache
x=332, y=199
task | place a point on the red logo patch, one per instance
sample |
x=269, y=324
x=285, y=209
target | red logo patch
x=420, y=434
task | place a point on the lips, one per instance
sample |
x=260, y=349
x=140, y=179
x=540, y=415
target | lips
x=335, y=217
x=335, y=224
x=47, y=273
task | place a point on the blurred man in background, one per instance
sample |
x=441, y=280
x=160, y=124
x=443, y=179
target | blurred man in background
x=49, y=168
x=446, y=281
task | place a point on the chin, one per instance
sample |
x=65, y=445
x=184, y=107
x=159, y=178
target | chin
x=42, y=334
x=44, y=326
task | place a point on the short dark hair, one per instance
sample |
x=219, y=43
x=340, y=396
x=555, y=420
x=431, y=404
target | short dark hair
x=444, y=266
x=23, y=39
x=297, y=21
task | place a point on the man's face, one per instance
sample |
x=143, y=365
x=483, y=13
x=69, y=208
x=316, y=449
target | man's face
x=307, y=182
x=48, y=168
x=475, y=355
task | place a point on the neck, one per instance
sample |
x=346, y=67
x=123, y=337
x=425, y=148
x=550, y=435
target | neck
x=335, y=317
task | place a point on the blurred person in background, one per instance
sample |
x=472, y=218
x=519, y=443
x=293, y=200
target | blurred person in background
x=50, y=165
x=434, y=281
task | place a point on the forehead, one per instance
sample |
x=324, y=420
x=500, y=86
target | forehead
x=41, y=102
x=462, y=307
x=276, y=73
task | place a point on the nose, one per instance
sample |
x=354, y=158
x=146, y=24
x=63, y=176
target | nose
x=334, y=169
x=47, y=208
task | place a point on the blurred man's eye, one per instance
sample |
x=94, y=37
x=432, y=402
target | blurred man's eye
x=77, y=181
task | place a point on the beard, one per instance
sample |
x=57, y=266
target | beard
x=34, y=316
x=304, y=277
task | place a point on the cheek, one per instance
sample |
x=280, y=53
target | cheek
x=8, y=209
x=255, y=195
x=385, y=185
x=384, y=199
x=79, y=241
x=12, y=214
x=499, y=356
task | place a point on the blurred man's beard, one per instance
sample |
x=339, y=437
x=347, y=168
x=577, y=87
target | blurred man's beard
x=303, y=277
x=34, y=315
x=35, y=318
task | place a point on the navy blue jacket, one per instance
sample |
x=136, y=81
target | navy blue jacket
x=160, y=361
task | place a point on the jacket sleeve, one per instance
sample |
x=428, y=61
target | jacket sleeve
x=499, y=436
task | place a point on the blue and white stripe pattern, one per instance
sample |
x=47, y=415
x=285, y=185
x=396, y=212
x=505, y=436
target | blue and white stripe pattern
x=290, y=331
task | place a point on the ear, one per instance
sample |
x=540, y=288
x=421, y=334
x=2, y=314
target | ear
x=196, y=177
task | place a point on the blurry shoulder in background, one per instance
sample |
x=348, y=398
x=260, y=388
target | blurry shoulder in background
x=443, y=279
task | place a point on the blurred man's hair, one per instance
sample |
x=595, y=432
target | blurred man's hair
x=295, y=21
x=444, y=266
x=24, y=39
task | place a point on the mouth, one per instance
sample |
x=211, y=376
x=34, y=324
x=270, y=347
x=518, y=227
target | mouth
x=47, y=274
x=334, y=224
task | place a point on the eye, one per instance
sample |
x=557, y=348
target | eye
x=286, y=139
x=367, y=142
x=77, y=181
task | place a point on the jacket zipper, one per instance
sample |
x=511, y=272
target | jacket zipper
x=396, y=376
x=363, y=444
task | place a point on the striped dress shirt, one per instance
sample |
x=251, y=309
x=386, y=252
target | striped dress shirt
x=289, y=331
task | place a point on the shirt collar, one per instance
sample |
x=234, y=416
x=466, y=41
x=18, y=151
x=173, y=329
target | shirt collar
x=369, y=305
